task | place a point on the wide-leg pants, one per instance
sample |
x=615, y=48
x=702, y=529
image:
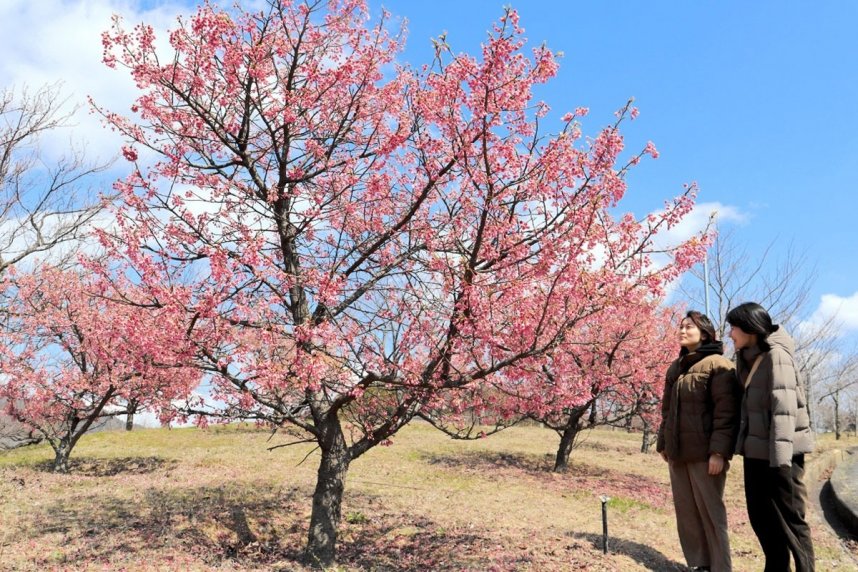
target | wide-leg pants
x=701, y=517
x=777, y=505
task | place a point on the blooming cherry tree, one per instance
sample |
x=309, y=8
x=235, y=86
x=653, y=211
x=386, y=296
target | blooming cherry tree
x=70, y=357
x=607, y=370
x=611, y=375
x=349, y=238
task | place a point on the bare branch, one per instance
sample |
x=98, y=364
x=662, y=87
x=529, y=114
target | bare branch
x=43, y=203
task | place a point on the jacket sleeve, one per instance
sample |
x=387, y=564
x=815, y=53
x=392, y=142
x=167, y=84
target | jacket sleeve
x=665, y=408
x=723, y=387
x=784, y=409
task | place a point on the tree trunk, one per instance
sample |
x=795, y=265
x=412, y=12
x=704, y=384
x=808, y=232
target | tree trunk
x=130, y=411
x=62, y=450
x=836, y=417
x=648, y=439
x=855, y=418
x=77, y=427
x=808, y=400
x=328, y=496
x=567, y=440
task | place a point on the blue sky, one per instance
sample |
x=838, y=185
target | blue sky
x=752, y=100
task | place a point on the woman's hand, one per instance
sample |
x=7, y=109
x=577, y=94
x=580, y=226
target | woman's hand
x=716, y=464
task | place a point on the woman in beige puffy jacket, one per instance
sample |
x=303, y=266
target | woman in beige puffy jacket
x=697, y=434
x=773, y=437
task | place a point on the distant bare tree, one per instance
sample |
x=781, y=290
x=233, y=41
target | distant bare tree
x=738, y=274
x=43, y=203
x=839, y=385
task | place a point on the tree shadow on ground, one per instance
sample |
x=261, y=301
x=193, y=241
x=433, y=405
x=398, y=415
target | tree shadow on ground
x=412, y=544
x=579, y=477
x=260, y=526
x=95, y=467
x=479, y=461
x=214, y=524
x=644, y=555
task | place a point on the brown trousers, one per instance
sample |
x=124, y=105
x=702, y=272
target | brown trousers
x=701, y=517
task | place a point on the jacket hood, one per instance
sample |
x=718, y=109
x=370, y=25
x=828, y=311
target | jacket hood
x=781, y=339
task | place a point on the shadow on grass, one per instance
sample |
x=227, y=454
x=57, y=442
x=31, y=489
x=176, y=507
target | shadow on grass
x=480, y=461
x=94, y=467
x=214, y=524
x=578, y=477
x=644, y=555
x=255, y=526
x=413, y=544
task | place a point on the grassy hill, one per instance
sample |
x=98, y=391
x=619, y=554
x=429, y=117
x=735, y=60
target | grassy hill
x=217, y=499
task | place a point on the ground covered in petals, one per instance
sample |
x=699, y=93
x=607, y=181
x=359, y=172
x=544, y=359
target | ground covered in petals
x=217, y=499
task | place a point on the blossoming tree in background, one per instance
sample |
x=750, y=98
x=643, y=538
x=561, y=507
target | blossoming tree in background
x=607, y=371
x=45, y=206
x=661, y=335
x=71, y=357
x=349, y=238
x=613, y=374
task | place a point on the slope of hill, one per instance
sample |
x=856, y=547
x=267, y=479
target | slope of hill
x=217, y=499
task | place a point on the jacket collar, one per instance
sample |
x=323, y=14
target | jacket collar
x=689, y=358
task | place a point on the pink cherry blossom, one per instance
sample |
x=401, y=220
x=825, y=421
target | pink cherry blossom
x=73, y=355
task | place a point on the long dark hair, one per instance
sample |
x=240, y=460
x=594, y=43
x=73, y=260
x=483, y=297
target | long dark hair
x=704, y=324
x=752, y=318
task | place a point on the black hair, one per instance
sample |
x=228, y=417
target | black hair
x=752, y=318
x=704, y=324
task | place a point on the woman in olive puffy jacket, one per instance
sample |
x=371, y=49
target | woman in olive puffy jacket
x=773, y=437
x=697, y=435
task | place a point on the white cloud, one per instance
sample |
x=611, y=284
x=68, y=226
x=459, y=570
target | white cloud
x=697, y=220
x=47, y=41
x=693, y=224
x=844, y=310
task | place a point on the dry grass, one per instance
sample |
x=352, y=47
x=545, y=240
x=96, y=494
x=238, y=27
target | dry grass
x=197, y=500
